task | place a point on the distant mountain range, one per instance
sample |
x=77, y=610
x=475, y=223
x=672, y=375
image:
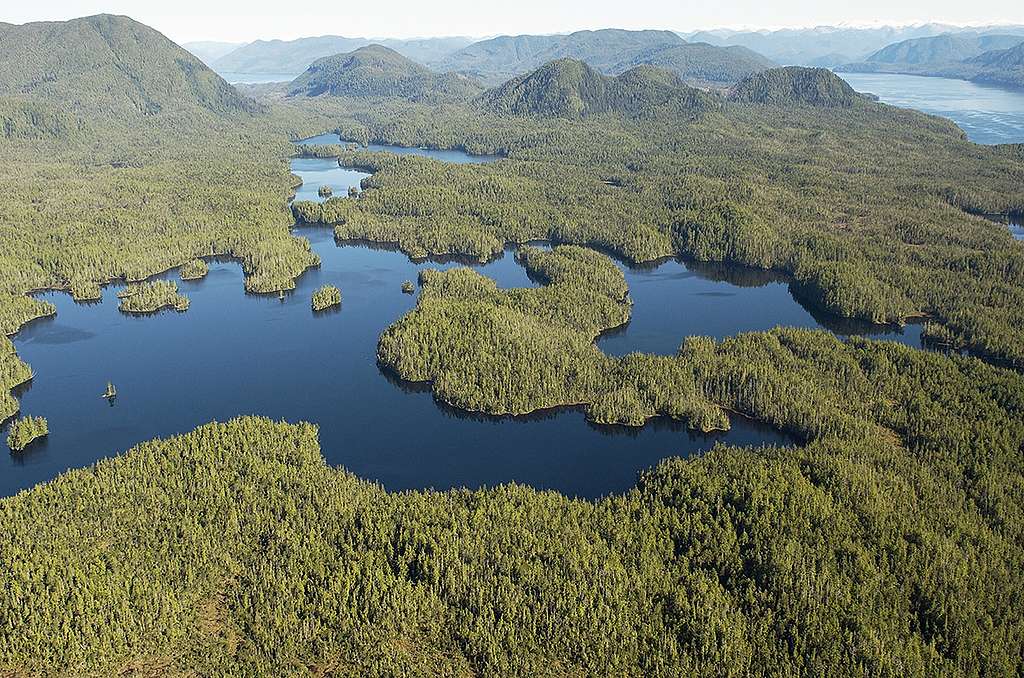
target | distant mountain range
x=829, y=45
x=500, y=58
x=295, y=56
x=609, y=51
x=378, y=71
x=209, y=51
x=493, y=61
x=990, y=58
x=942, y=49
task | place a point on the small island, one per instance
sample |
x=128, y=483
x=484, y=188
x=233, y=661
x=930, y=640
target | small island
x=408, y=287
x=325, y=192
x=24, y=431
x=326, y=297
x=85, y=290
x=194, y=270
x=150, y=297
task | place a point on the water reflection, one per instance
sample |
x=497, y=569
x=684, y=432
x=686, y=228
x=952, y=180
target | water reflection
x=234, y=353
x=676, y=298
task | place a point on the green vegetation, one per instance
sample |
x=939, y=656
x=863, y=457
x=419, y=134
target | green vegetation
x=889, y=544
x=195, y=269
x=376, y=71
x=408, y=287
x=158, y=160
x=572, y=89
x=701, y=63
x=888, y=541
x=295, y=56
x=880, y=231
x=513, y=351
x=23, y=431
x=150, y=297
x=326, y=297
x=105, y=63
x=795, y=86
x=325, y=192
x=13, y=372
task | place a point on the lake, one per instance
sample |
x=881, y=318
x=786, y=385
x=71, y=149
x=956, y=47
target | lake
x=233, y=353
x=256, y=78
x=988, y=114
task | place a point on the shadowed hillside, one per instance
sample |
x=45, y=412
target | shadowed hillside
x=110, y=64
x=377, y=71
x=942, y=49
x=795, y=85
x=568, y=88
x=994, y=59
x=295, y=56
x=702, y=63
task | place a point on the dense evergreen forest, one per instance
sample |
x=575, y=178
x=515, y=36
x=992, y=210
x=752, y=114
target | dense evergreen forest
x=887, y=542
x=24, y=431
x=790, y=175
x=150, y=297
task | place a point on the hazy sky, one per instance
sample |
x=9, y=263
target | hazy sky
x=245, y=20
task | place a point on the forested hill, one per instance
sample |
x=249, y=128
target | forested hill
x=377, y=71
x=942, y=49
x=295, y=56
x=995, y=58
x=110, y=65
x=568, y=88
x=1000, y=67
x=700, y=62
x=795, y=85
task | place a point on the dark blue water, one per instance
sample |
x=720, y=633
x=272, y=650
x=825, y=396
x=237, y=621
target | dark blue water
x=988, y=114
x=233, y=354
x=676, y=299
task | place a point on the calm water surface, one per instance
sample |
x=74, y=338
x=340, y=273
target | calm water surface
x=988, y=114
x=256, y=78
x=233, y=354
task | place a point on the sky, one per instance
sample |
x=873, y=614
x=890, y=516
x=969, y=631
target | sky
x=247, y=20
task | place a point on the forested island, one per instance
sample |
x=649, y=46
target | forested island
x=150, y=297
x=887, y=540
x=327, y=296
x=24, y=431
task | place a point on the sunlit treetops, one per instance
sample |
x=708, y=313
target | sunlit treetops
x=150, y=297
x=325, y=297
x=24, y=431
x=194, y=269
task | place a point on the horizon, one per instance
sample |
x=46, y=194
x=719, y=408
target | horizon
x=715, y=29
x=211, y=21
